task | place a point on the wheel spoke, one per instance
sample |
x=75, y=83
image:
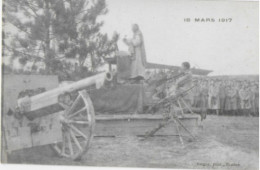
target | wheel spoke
x=63, y=144
x=69, y=142
x=65, y=155
x=75, y=140
x=74, y=103
x=79, y=122
x=77, y=130
x=79, y=111
x=57, y=148
x=65, y=107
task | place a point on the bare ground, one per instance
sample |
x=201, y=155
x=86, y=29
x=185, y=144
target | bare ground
x=223, y=143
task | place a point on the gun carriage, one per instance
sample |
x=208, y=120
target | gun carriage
x=63, y=117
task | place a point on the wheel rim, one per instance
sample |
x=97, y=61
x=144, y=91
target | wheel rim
x=78, y=123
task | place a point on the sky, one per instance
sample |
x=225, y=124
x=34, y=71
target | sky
x=227, y=48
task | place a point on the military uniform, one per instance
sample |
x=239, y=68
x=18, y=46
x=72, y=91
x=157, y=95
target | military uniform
x=183, y=83
x=214, y=102
x=245, y=99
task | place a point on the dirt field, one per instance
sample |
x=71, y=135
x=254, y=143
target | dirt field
x=224, y=142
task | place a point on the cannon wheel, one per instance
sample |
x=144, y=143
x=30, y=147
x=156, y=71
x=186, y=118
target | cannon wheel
x=78, y=122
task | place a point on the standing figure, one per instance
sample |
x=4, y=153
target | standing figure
x=238, y=87
x=256, y=92
x=214, y=103
x=245, y=104
x=181, y=88
x=228, y=100
x=204, y=95
x=138, y=56
x=255, y=99
x=222, y=97
x=196, y=95
x=232, y=93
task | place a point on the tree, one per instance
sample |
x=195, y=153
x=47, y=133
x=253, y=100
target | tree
x=80, y=37
x=50, y=30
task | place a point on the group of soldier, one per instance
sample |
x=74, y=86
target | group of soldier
x=226, y=97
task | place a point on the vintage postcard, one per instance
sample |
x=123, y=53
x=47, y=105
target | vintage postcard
x=131, y=83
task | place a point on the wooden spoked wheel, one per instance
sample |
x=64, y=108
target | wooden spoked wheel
x=78, y=122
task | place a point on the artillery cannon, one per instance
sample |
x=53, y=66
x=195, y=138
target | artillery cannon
x=63, y=117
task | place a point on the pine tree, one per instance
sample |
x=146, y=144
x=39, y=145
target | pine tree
x=49, y=30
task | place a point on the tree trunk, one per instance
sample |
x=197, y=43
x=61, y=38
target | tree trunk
x=47, y=39
x=93, y=66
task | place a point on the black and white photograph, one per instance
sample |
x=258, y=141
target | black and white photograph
x=130, y=83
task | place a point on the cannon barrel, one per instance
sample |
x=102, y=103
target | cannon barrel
x=50, y=98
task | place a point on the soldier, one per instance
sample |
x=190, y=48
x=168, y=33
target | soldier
x=204, y=99
x=255, y=99
x=228, y=100
x=238, y=87
x=196, y=95
x=213, y=98
x=256, y=92
x=184, y=83
x=233, y=99
x=222, y=97
x=245, y=103
x=184, y=80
